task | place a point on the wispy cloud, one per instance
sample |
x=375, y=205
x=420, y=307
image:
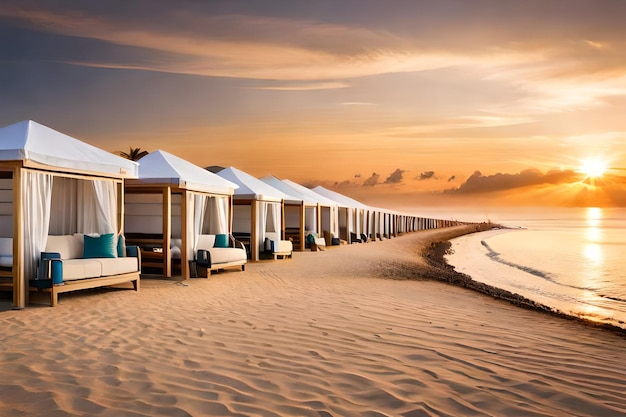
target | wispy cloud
x=258, y=47
x=409, y=83
x=357, y=103
x=304, y=86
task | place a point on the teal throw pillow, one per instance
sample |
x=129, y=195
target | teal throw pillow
x=103, y=246
x=221, y=241
x=121, y=246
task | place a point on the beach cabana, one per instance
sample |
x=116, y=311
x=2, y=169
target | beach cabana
x=354, y=216
x=53, y=184
x=381, y=223
x=300, y=212
x=171, y=203
x=327, y=210
x=257, y=211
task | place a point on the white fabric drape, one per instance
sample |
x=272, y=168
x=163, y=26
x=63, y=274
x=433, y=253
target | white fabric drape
x=264, y=210
x=216, y=216
x=351, y=221
x=200, y=209
x=64, y=198
x=105, y=207
x=261, y=219
x=334, y=218
x=189, y=232
x=37, y=194
x=268, y=222
x=273, y=218
x=85, y=206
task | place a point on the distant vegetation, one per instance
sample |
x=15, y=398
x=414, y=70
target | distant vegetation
x=134, y=154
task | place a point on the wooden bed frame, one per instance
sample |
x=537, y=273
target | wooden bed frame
x=46, y=285
x=82, y=284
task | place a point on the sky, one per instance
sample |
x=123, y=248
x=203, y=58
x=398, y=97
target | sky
x=397, y=103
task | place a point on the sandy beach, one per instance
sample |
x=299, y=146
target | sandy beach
x=352, y=330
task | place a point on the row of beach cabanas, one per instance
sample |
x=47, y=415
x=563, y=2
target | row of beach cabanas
x=52, y=184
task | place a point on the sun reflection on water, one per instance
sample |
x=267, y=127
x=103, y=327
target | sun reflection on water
x=593, y=230
x=594, y=216
x=592, y=252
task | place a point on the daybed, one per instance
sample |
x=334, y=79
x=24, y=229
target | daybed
x=315, y=242
x=217, y=252
x=276, y=247
x=75, y=262
x=282, y=248
x=358, y=238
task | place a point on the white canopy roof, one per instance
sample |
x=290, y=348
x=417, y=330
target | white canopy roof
x=291, y=194
x=31, y=141
x=160, y=167
x=251, y=187
x=339, y=198
x=311, y=195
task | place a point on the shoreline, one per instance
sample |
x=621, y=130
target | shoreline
x=439, y=270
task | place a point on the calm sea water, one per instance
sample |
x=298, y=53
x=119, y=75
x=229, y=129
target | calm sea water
x=572, y=260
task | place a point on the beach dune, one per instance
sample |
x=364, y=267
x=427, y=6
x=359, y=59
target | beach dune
x=348, y=331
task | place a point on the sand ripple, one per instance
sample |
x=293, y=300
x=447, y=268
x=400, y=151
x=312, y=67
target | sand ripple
x=319, y=335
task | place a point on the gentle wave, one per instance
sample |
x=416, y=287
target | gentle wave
x=608, y=297
x=575, y=270
x=530, y=270
x=496, y=257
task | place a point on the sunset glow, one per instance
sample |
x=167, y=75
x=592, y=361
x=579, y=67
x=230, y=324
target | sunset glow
x=593, y=167
x=401, y=103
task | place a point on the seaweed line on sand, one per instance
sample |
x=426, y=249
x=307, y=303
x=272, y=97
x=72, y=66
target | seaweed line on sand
x=439, y=270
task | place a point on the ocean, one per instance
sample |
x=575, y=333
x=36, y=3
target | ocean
x=572, y=260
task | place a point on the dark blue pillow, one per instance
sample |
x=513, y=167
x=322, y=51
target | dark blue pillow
x=221, y=241
x=103, y=246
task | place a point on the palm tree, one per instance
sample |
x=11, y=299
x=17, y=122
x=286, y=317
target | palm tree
x=134, y=154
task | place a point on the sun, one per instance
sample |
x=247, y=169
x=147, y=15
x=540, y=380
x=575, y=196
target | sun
x=593, y=167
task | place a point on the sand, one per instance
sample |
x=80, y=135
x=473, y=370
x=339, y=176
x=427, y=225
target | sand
x=321, y=334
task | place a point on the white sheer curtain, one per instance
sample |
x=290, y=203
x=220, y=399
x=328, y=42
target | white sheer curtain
x=216, y=216
x=263, y=210
x=261, y=218
x=85, y=206
x=37, y=194
x=269, y=227
x=200, y=209
x=64, y=198
x=223, y=221
x=273, y=218
x=334, y=219
x=351, y=221
x=188, y=232
x=106, y=206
